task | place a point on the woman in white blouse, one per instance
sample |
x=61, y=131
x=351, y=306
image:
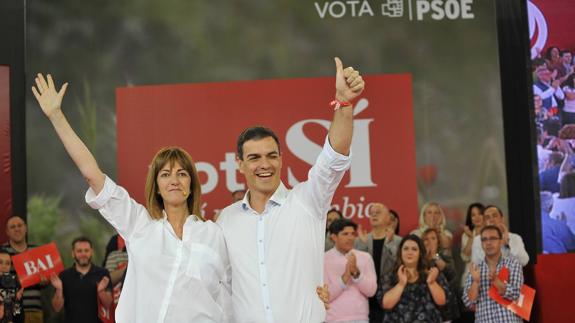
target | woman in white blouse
x=178, y=264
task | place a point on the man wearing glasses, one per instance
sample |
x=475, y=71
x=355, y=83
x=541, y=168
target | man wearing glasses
x=512, y=244
x=488, y=274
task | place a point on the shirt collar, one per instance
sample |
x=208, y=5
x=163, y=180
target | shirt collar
x=278, y=198
x=190, y=217
x=341, y=253
x=91, y=270
x=190, y=220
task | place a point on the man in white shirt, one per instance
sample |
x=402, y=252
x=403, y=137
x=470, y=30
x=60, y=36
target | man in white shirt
x=547, y=88
x=275, y=236
x=512, y=243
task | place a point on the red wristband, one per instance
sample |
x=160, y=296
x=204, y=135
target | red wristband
x=336, y=104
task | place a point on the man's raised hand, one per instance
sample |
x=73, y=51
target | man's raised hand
x=348, y=83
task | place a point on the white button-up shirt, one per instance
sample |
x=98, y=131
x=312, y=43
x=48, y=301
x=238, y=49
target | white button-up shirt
x=168, y=279
x=515, y=249
x=277, y=256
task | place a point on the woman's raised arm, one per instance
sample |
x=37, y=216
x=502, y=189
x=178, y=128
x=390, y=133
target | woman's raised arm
x=50, y=101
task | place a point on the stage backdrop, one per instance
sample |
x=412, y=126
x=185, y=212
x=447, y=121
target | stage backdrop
x=428, y=127
x=206, y=120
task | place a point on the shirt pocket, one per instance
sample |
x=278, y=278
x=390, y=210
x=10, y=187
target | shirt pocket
x=204, y=264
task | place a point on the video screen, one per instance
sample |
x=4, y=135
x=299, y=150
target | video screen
x=552, y=33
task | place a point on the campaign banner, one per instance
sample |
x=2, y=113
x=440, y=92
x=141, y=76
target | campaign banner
x=206, y=119
x=551, y=23
x=35, y=264
x=523, y=305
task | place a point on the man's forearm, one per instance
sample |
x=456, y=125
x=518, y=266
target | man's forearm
x=473, y=292
x=105, y=298
x=341, y=130
x=58, y=300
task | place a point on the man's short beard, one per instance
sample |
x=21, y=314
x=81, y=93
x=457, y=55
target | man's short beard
x=83, y=265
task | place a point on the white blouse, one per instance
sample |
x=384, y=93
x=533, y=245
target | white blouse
x=168, y=279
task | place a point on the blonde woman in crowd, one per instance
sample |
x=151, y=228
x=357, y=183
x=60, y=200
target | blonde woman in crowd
x=432, y=216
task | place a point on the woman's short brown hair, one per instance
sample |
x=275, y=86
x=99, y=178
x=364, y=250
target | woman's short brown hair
x=154, y=200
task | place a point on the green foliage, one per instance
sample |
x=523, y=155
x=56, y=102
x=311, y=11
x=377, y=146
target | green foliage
x=44, y=216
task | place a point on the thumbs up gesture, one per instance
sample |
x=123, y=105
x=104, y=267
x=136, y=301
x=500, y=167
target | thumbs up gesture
x=348, y=83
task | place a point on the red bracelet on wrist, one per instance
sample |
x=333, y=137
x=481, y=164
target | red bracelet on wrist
x=336, y=104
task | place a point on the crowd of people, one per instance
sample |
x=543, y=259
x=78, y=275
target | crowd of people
x=554, y=102
x=382, y=277
x=375, y=276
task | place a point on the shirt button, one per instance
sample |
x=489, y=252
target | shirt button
x=261, y=240
x=267, y=307
x=264, y=285
x=261, y=263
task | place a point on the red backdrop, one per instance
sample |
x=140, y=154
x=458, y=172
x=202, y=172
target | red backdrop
x=5, y=154
x=556, y=23
x=205, y=119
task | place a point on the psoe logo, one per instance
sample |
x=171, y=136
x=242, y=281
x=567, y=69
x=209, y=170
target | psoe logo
x=444, y=9
x=416, y=9
x=538, y=31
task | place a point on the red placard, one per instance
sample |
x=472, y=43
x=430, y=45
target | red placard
x=106, y=314
x=522, y=306
x=36, y=263
x=206, y=119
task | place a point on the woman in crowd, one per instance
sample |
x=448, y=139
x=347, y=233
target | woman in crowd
x=179, y=269
x=432, y=216
x=395, y=223
x=436, y=257
x=568, y=111
x=471, y=229
x=553, y=58
x=412, y=291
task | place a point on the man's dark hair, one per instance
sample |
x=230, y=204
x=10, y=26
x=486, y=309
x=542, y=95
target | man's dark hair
x=255, y=133
x=338, y=225
x=563, y=52
x=15, y=216
x=555, y=158
x=495, y=207
x=336, y=211
x=567, y=187
x=494, y=228
x=81, y=239
x=538, y=62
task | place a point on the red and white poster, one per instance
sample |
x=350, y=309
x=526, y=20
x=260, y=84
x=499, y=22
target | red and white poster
x=36, y=263
x=523, y=305
x=205, y=119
